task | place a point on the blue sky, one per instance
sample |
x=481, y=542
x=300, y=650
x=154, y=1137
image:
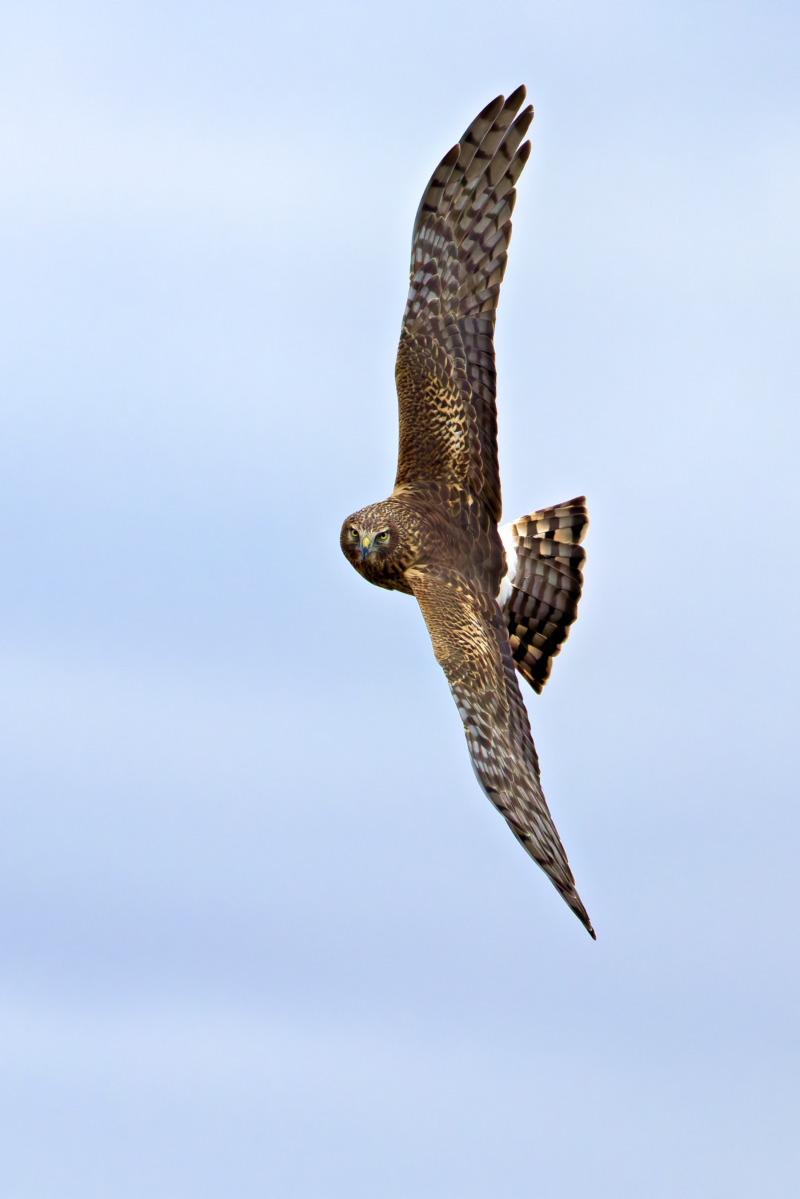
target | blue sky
x=260, y=932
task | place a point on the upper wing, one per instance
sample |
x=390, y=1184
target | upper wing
x=540, y=592
x=445, y=362
x=471, y=645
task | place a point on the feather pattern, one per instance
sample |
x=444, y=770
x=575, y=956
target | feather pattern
x=472, y=193
x=471, y=645
x=540, y=592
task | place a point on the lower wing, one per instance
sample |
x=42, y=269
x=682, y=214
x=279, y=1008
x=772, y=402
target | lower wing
x=471, y=645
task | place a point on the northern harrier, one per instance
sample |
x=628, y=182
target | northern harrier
x=496, y=601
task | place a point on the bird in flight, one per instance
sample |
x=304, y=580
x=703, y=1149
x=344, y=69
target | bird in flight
x=497, y=602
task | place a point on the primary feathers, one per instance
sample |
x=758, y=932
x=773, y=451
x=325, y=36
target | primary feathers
x=496, y=602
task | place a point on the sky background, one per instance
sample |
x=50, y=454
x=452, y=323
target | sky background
x=260, y=932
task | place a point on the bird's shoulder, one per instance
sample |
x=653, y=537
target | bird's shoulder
x=455, y=532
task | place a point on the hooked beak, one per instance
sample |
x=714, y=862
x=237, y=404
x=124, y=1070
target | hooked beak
x=366, y=546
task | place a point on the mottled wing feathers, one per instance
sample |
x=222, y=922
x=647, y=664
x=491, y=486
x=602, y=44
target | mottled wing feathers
x=471, y=645
x=438, y=433
x=539, y=594
x=468, y=202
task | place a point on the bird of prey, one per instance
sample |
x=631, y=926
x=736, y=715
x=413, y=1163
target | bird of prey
x=497, y=601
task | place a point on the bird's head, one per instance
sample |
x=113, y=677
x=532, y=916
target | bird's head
x=375, y=544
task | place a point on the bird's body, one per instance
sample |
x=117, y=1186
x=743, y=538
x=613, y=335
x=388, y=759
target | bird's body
x=496, y=601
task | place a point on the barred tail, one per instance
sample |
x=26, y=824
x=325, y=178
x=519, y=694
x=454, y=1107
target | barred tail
x=540, y=591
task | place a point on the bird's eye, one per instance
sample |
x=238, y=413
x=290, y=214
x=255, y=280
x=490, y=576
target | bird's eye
x=384, y=536
x=353, y=532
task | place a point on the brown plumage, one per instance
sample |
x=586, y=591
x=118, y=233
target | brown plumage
x=493, y=600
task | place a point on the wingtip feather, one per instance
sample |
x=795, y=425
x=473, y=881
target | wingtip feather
x=517, y=97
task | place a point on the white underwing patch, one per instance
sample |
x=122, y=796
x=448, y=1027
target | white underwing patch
x=507, y=538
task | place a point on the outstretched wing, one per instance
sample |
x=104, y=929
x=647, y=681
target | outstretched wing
x=445, y=363
x=540, y=591
x=471, y=645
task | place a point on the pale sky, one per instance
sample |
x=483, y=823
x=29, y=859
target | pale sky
x=261, y=933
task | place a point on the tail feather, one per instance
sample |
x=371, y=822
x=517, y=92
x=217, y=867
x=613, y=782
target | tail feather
x=540, y=591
